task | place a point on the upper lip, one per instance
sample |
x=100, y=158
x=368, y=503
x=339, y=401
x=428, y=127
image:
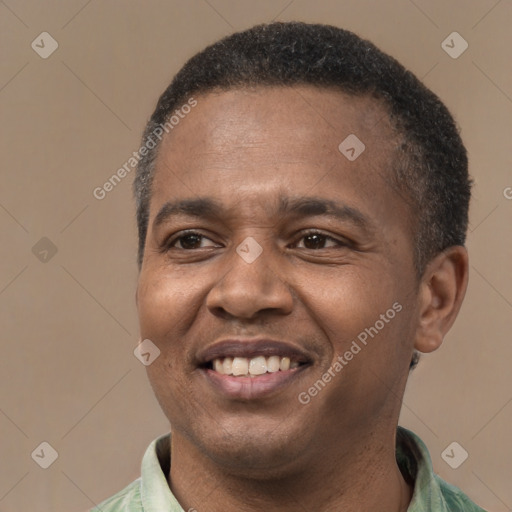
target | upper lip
x=238, y=347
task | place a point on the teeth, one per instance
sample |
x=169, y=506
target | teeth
x=227, y=366
x=284, y=364
x=259, y=365
x=273, y=364
x=240, y=366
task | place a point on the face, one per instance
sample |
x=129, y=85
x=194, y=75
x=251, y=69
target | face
x=278, y=278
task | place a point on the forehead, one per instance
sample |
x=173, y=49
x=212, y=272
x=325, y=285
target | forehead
x=250, y=135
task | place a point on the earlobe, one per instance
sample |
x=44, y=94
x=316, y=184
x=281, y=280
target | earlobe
x=442, y=291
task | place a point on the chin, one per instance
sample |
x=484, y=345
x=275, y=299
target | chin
x=251, y=451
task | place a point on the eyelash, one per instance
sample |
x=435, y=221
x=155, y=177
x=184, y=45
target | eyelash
x=169, y=244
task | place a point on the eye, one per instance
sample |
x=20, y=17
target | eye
x=189, y=241
x=314, y=241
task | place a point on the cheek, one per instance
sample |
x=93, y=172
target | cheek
x=346, y=300
x=364, y=315
x=164, y=308
x=167, y=308
x=171, y=388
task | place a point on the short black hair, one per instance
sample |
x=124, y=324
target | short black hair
x=430, y=167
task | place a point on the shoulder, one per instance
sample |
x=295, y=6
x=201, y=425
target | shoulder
x=431, y=492
x=126, y=500
x=456, y=500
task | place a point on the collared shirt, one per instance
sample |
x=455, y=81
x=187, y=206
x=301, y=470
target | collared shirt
x=151, y=493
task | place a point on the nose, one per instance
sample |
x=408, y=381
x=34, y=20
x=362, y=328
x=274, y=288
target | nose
x=248, y=290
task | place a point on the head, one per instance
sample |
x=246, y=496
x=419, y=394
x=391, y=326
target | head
x=373, y=245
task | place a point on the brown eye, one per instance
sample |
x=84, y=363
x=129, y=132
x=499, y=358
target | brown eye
x=318, y=241
x=314, y=241
x=189, y=241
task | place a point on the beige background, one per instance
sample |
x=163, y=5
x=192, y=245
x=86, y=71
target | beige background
x=68, y=324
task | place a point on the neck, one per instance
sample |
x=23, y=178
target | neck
x=363, y=477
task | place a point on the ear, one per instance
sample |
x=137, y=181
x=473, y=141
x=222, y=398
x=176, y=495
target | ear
x=442, y=290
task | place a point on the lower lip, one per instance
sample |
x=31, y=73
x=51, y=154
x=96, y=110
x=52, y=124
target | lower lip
x=252, y=388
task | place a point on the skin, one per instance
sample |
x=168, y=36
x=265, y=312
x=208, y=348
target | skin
x=246, y=149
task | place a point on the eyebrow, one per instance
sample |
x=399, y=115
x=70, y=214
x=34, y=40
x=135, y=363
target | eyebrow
x=200, y=207
x=312, y=206
x=206, y=207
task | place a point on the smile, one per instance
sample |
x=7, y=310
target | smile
x=245, y=369
x=254, y=366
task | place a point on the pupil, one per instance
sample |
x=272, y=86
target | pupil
x=315, y=241
x=190, y=241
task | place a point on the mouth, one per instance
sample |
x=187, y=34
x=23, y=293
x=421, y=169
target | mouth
x=246, y=369
x=252, y=367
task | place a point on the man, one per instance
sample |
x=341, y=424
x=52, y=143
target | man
x=302, y=205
